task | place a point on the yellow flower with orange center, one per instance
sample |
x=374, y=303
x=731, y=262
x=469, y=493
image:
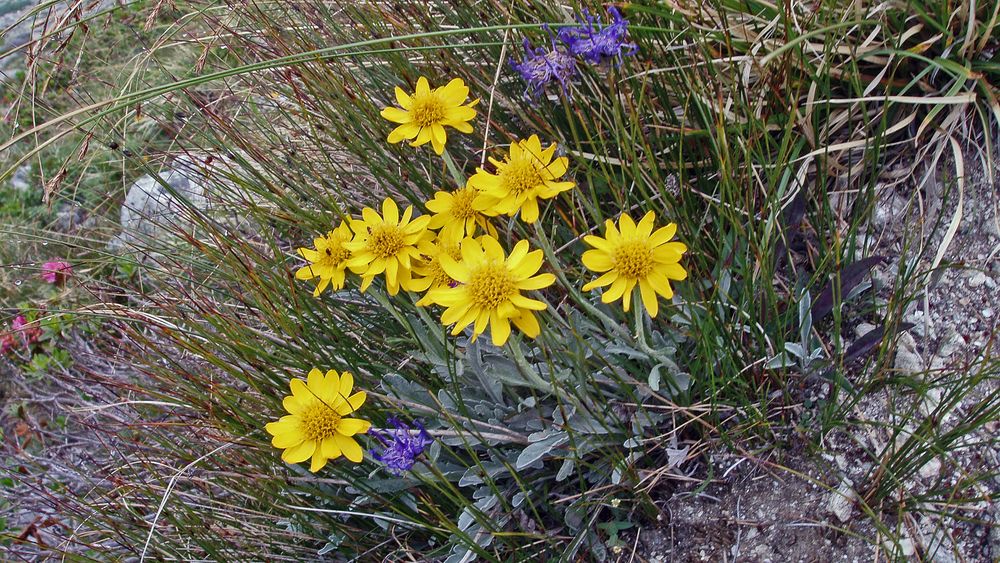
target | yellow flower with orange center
x=317, y=425
x=424, y=115
x=386, y=244
x=526, y=175
x=456, y=214
x=489, y=289
x=634, y=255
x=429, y=273
x=328, y=261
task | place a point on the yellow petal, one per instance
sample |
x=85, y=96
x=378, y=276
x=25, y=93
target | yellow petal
x=318, y=460
x=346, y=384
x=537, y=282
x=602, y=281
x=527, y=323
x=616, y=290
x=403, y=99
x=649, y=298
x=349, y=447
x=316, y=382
x=352, y=426
x=499, y=329
x=423, y=87
x=397, y=115
x=523, y=302
x=597, y=260
x=330, y=448
x=352, y=404
x=454, y=93
x=299, y=453
x=663, y=234
x=404, y=131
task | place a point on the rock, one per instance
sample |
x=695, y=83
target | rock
x=152, y=210
x=951, y=343
x=908, y=360
x=841, y=501
x=931, y=469
x=69, y=218
x=863, y=329
x=21, y=180
x=977, y=279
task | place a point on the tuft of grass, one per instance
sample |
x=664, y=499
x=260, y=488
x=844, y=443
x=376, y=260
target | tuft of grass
x=761, y=132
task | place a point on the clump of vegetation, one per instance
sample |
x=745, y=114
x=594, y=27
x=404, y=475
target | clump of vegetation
x=500, y=300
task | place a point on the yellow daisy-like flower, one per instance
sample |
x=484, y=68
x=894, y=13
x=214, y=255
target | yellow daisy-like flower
x=328, y=261
x=430, y=271
x=317, y=425
x=386, y=244
x=635, y=255
x=426, y=113
x=489, y=289
x=526, y=175
x=456, y=215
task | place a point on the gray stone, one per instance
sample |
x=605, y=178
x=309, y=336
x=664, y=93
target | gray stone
x=908, y=360
x=977, y=279
x=841, y=501
x=21, y=180
x=153, y=210
x=863, y=329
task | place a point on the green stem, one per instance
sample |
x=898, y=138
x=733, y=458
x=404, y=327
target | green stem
x=456, y=174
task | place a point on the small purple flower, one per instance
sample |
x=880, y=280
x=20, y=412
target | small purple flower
x=540, y=67
x=401, y=446
x=595, y=43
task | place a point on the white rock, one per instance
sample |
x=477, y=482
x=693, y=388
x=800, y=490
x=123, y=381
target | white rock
x=20, y=181
x=908, y=360
x=863, y=329
x=841, y=501
x=977, y=279
x=931, y=469
x=151, y=208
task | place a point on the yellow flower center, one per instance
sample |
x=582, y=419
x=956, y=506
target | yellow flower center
x=385, y=240
x=491, y=286
x=461, y=204
x=335, y=253
x=633, y=259
x=319, y=421
x=520, y=175
x=427, y=109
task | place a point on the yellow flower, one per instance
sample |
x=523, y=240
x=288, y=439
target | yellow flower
x=456, y=216
x=386, y=244
x=317, y=426
x=635, y=255
x=489, y=289
x=328, y=261
x=426, y=113
x=525, y=176
x=430, y=270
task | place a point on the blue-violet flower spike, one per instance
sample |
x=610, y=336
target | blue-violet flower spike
x=401, y=446
x=597, y=44
x=540, y=67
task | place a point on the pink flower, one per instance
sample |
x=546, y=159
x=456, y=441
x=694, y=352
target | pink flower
x=7, y=342
x=29, y=332
x=56, y=271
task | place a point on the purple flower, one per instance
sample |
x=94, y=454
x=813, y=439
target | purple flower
x=595, y=43
x=540, y=67
x=401, y=446
x=56, y=272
